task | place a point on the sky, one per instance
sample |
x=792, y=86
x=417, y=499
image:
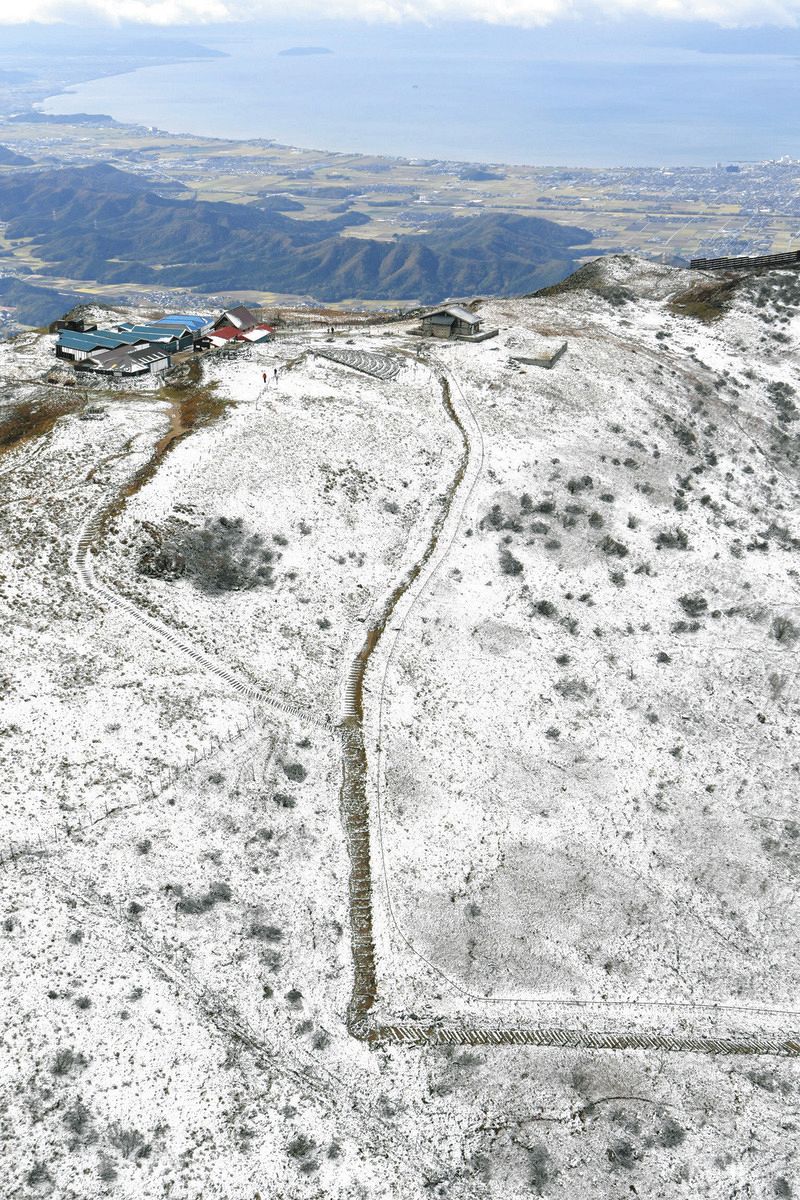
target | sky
x=529, y=13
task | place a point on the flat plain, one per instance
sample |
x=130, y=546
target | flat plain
x=661, y=213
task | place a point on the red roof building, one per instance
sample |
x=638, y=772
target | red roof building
x=227, y=333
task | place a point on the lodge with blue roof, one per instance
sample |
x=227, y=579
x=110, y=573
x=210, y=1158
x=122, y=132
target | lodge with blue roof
x=190, y=321
x=78, y=346
x=129, y=348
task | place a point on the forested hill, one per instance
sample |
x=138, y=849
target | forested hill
x=33, y=305
x=98, y=223
x=10, y=158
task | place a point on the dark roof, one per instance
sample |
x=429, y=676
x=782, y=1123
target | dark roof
x=456, y=312
x=240, y=317
x=148, y=354
x=76, y=326
x=112, y=360
x=125, y=356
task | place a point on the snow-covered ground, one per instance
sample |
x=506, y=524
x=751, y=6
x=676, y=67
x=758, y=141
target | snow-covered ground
x=587, y=730
x=581, y=761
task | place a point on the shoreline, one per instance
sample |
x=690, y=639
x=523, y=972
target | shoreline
x=198, y=127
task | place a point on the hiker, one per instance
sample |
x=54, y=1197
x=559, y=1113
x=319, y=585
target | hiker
x=264, y=376
x=275, y=373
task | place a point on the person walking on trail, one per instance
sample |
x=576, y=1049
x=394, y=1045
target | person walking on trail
x=264, y=376
x=275, y=373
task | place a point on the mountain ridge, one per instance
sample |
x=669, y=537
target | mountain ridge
x=11, y=158
x=108, y=225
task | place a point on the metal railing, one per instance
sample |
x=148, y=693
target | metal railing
x=790, y=258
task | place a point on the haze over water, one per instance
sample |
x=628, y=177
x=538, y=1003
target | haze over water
x=473, y=93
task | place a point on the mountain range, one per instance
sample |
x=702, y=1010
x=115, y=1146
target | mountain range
x=33, y=305
x=10, y=158
x=100, y=223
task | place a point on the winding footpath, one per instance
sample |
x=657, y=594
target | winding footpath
x=395, y=608
x=374, y=649
x=384, y=628
x=90, y=534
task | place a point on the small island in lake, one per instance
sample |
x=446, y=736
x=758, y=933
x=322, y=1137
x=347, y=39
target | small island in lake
x=302, y=51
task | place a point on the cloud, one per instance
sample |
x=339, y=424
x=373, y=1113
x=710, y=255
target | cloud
x=499, y=12
x=116, y=12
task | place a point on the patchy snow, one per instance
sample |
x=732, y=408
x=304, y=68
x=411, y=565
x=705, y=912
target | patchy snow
x=584, y=746
x=602, y=828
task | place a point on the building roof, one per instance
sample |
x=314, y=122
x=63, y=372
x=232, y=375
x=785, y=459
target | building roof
x=103, y=357
x=191, y=321
x=158, y=333
x=158, y=329
x=456, y=312
x=76, y=341
x=113, y=360
x=126, y=356
x=227, y=332
x=240, y=317
x=148, y=354
x=102, y=339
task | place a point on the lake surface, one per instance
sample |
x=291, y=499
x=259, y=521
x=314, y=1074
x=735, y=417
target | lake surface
x=466, y=92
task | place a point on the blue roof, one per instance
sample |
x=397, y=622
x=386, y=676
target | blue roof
x=157, y=331
x=164, y=330
x=128, y=326
x=189, y=320
x=75, y=341
x=93, y=341
x=126, y=339
x=178, y=324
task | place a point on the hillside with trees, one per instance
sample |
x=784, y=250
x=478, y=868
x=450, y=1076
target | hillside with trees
x=99, y=223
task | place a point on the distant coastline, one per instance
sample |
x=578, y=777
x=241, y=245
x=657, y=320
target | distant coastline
x=394, y=94
x=303, y=51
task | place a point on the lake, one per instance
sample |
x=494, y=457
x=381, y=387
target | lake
x=468, y=92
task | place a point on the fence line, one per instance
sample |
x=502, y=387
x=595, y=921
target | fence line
x=791, y=258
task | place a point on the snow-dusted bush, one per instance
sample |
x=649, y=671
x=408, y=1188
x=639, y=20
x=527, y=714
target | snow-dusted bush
x=222, y=556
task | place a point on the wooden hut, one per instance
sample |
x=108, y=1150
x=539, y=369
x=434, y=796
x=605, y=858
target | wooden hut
x=451, y=322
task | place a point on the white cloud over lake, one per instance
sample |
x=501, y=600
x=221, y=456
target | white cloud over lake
x=500, y=12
